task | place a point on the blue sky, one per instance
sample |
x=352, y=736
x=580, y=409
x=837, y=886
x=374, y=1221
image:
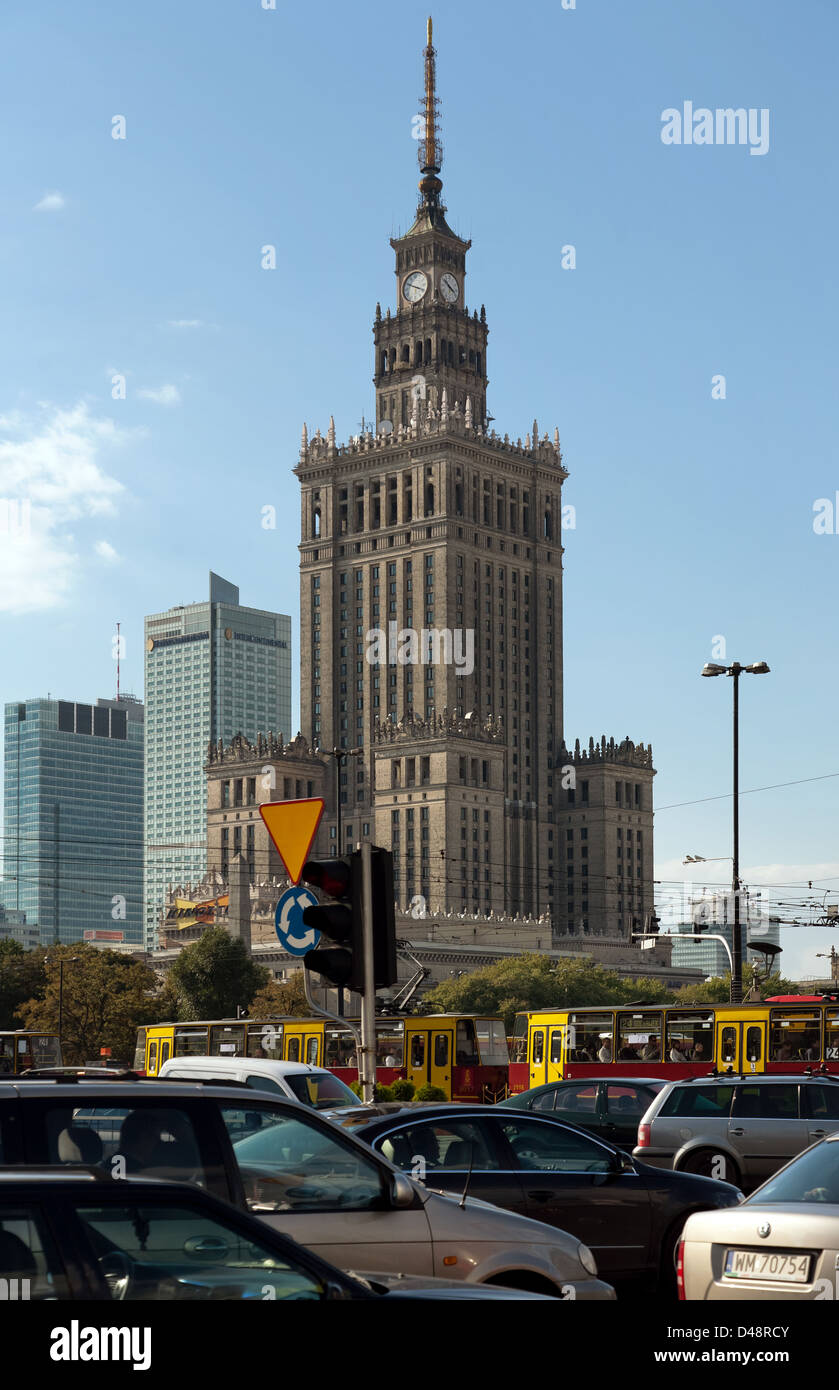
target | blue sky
x=292, y=127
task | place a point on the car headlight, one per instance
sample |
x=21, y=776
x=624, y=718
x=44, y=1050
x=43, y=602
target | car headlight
x=586, y=1259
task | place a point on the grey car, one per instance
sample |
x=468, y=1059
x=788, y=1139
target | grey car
x=739, y=1128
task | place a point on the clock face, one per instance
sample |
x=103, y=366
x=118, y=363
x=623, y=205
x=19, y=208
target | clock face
x=414, y=286
x=449, y=288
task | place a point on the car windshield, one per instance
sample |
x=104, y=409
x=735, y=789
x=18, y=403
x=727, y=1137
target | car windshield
x=321, y=1090
x=814, y=1177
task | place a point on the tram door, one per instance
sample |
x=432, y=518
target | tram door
x=428, y=1053
x=741, y=1046
x=538, y=1057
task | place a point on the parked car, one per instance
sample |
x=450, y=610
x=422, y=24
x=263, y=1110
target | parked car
x=296, y=1170
x=74, y=1235
x=300, y=1081
x=538, y=1165
x=741, y=1128
x=782, y=1243
x=608, y=1108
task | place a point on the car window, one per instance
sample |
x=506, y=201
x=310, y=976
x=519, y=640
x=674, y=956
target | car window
x=628, y=1102
x=813, y=1177
x=823, y=1101
x=577, y=1100
x=439, y=1146
x=552, y=1148
x=321, y=1090
x=291, y=1164
x=778, y=1102
x=544, y=1101
x=265, y=1083
x=155, y=1141
x=698, y=1100
x=30, y=1267
x=178, y=1252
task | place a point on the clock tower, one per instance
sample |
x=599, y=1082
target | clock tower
x=431, y=344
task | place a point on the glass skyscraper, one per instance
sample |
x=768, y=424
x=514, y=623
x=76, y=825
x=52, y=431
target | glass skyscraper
x=73, y=808
x=213, y=670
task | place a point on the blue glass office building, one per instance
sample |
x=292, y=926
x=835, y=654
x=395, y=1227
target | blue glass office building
x=73, y=818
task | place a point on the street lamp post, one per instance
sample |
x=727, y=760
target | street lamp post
x=757, y=668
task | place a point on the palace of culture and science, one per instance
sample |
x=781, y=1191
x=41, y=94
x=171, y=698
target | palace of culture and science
x=431, y=609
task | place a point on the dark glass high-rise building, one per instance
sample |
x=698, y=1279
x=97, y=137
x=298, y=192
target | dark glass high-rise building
x=73, y=822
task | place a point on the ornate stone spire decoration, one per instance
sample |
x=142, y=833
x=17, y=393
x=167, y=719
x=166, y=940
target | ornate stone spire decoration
x=444, y=406
x=304, y=442
x=430, y=151
x=468, y=418
x=330, y=437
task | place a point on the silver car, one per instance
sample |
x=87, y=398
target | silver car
x=781, y=1243
x=739, y=1128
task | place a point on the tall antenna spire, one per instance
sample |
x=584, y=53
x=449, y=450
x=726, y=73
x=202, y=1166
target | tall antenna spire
x=430, y=148
x=119, y=648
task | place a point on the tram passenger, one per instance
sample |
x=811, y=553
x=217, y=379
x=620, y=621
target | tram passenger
x=605, y=1053
x=652, y=1050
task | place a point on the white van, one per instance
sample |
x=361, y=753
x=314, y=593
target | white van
x=300, y=1081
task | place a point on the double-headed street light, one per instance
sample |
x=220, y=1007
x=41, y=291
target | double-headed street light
x=757, y=668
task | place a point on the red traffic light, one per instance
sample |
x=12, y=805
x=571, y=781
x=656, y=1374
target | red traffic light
x=332, y=876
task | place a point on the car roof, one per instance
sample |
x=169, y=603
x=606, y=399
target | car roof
x=132, y=1091
x=439, y=1110
x=253, y=1064
x=592, y=1080
x=739, y=1078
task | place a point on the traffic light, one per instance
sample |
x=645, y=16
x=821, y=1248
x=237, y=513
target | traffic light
x=342, y=921
x=700, y=920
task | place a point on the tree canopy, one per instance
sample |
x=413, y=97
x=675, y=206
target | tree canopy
x=276, y=1000
x=534, y=981
x=106, y=997
x=22, y=977
x=717, y=990
x=214, y=977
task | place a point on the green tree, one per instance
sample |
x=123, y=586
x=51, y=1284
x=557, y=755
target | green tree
x=275, y=1000
x=106, y=997
x=215, y=976
x=22, y=977
x=717, y=990
x=534, y=981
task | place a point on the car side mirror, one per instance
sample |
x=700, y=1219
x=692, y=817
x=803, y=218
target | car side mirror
x=402, y=1192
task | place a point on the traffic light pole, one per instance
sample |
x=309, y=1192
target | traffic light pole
x=686, y=936
x=320, y=1011
x=368, y=998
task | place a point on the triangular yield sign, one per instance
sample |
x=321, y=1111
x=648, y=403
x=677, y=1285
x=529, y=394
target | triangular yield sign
x=292, y=826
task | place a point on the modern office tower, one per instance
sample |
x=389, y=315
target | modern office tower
x=73, y=816
x=213, y=670
x=431, y=605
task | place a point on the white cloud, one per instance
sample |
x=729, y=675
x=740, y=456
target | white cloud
x=50, y=477
x=186, y=323
x=51, y=202
x=163, y=395
x=105, y=551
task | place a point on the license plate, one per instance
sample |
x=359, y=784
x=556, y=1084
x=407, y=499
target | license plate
x=767, y=1264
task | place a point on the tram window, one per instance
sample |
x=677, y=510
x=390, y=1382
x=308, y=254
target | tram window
x=556, y=1045
x=689, y=1038
x=340, y=1048
x=153, y=1056
x=639, y=1037
x=518, y=1050
x=390, y=1046
x=538, y=1047
x=794, y=1035
x=466, y=1052
x=265, y=1040
x=441, y=1049
x=190, y=1042
x=227, y=1040
x=312, y=1052
x=831, y=1037
x=417, y=1050
x=492, y=1042
x=754, y=1038
x=45, y=1051
x=590, y=1037
x=293, y=1054
x=7, y=1054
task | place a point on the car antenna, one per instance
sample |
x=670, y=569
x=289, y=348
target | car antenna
x=462, y=1202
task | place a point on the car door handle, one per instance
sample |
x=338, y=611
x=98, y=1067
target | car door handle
x=818, y=1133
x=540, y=1195
x=738, y=1132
